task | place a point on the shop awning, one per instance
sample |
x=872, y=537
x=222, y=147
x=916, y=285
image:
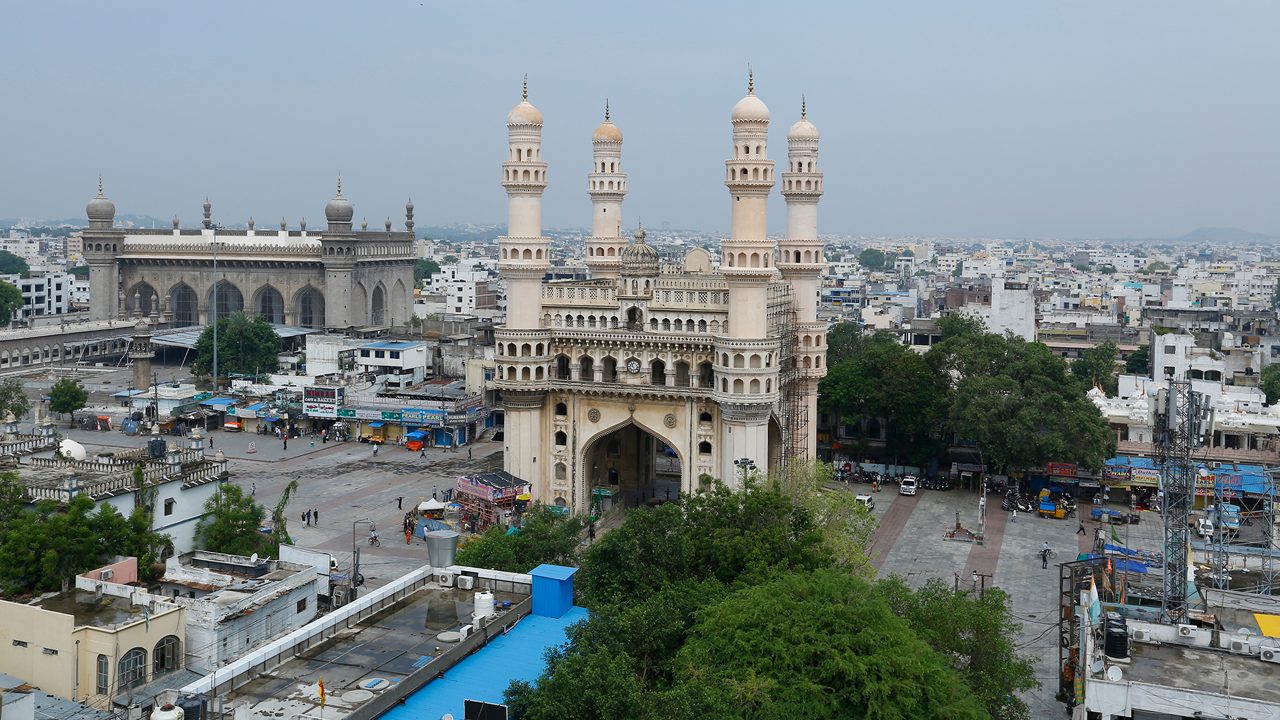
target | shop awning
x=416, y=435
x=271, y=418
x=219, y=402
x=376, y=424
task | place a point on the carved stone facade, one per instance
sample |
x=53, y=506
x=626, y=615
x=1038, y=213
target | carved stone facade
x=334, y=278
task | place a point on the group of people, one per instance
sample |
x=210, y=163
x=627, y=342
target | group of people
x=410, y=522
x=310, y=518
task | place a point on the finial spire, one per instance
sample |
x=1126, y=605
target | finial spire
x=606, y=109
x=339, y=183
x=524, y=90
x=804, y=109
x=751, y=81
x=99, y=184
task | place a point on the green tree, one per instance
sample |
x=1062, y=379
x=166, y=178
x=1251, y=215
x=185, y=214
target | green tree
x=958, y=323
x=872, y=259
x=544, y=537
x=1157, y=266
x=817, y=644
x=11, y=264
x=80, y=271
x=1020, y=403
x=1097, y=366
x=450, y=259
x=231, y=524
x=10, y=302
x=245, y=345
x=1270, y=383
x=423, y=269
x=13, y=398
x=67, y=396
x=846, y=525
x=1139, y=361
x=976, y=633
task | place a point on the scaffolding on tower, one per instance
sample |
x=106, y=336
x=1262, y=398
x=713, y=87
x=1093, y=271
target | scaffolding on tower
x=1178, y=416
x=791, y=409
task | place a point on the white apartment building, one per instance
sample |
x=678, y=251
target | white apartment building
x=48, y=294
x=464, y=289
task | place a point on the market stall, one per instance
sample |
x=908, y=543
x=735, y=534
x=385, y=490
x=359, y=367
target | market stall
x=488, y=498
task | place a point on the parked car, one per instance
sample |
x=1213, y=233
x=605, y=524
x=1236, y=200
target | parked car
x=908, y=485
x=866, y=501
x=1204, y=527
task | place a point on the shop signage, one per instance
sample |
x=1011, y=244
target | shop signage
x=422, y=416
x=321, y=401
x=1058, y=469
x=392, y=415
x=1144, y=476
x=346, y=412
x=1116, y=474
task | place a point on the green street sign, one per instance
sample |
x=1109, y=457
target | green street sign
x=392, y=415
x=344, y=412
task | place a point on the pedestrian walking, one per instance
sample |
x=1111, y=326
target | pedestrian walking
x=1080, y=530
x=400, y=503
x=315, y=517
x=286, y=443
x=423, y=452
x=1044, y=555
x=210, y=442
x=591, y=532
x=408, y=534
x=468, y=453
x=306, y=518
x=375, y=448
x=254, y=491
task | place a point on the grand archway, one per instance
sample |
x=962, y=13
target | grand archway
x=636, y=464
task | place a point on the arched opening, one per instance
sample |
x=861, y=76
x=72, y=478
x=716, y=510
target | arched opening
x=658, y=372
x=562, y=409
x=775, y=446
x=142, y=300
x=609, y=370
x=562, y=367
x=378, y=306
x=704, y=448
x=269, y=305
x=562, y=438
x=165, y=657
x=706, y=375
x=311, y=308
x=131, y=671
x=635, y=464
x=704, y=417
x=682, y=374
x=229, y=299
x=586, y=368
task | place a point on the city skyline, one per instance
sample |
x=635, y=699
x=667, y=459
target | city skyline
x=1066, y=120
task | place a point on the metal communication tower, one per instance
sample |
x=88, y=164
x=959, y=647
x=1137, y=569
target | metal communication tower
x=1177, y=419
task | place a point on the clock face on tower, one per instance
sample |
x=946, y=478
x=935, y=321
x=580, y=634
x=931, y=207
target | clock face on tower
x=633, y=366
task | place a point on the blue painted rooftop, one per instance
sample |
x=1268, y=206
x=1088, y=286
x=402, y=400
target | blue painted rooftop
x=485, y=675
x=219, y=402
x=554, y=572
x=1252, y=479
x=392, y=345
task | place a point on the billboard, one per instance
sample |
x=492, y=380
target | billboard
x=321, y=401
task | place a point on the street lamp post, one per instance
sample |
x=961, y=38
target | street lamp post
x=746, y=465
x=355, y=555
x=215, y=311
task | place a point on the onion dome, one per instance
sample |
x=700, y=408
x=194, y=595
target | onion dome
x=338, y=211
x=750, y=108
x=639, y=259
x=607, y=131
x=803, y=129
x=524, y=113
x=101, y=210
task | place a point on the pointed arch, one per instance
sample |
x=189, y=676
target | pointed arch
x=308, y=306
x=268, y=303
x=378, y=305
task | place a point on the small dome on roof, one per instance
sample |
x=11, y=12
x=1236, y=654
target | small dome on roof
x=338, y=210
x=639, y=259
x=607, y=131
x=524, y=114
x=750, y=109
x=803, y=130
x=100, y=209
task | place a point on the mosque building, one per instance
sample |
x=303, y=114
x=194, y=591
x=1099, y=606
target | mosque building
x=337, y=277
x=649, y=379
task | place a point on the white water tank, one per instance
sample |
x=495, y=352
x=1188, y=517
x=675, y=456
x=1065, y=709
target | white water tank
x=167, y=712
x=484, y=604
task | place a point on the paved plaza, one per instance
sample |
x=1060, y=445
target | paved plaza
x=909, y=543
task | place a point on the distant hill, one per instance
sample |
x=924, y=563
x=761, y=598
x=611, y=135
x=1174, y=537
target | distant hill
x=1224, y=234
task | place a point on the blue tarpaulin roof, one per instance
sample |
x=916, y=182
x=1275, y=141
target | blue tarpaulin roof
x=219, y=402
x=376, y=423
x=128, y=393
x=416, y=435
x=271, y=418
x=1249, y=479
x=256, y=406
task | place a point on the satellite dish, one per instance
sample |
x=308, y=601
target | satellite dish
x=254, y=558
x=72, y=449
x=1096, y=666
x=1114, y=673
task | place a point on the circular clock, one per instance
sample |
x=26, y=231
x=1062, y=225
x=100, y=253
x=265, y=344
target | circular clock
x=633, y=366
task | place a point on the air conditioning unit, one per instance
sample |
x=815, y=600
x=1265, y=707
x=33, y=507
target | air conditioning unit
x=106, y=574
x=1142, y=636
x=466, y=582
x=1270, y=655
x=445, y=579
x=1241, y=647
x=1186, y=631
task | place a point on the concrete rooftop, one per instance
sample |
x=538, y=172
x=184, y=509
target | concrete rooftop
x=1204, y=670
x=88, y=609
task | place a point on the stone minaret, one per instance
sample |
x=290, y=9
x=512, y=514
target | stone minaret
x=607, y=185
x=801, y=262
x=102, y=241
x=140, y=354
x=524, y=343
x=747, y=368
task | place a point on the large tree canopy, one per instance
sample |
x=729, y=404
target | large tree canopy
x=67, y=396
x=1097, y=366
x=11, y=264
x=13, y=398
x=247, y=346
x=818, y=644
x=232, y=524
x=544, y=537
x=10, y=302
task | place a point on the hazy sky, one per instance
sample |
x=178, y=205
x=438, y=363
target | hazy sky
x=1081, y=118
